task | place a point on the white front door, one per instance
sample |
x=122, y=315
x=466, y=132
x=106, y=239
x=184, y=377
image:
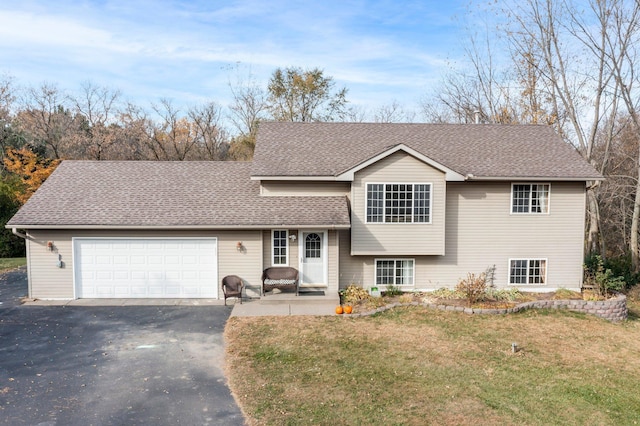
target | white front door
x=313, y=257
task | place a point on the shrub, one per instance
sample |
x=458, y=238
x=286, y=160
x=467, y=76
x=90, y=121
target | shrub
x=503, y=295
x=473, y=287
x=354, y=294
x=620, y=266
x=445, y=293
x=601, y=279
x=392, y=290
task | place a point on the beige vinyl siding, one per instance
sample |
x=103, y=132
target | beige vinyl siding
x=398, y=239
x=482, y=232
x=295, y=188
x=351, y=267
x=267, y=258
x=334, y=256
x=50, y=282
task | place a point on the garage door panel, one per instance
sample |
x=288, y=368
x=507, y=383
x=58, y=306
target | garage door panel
x=138, y=267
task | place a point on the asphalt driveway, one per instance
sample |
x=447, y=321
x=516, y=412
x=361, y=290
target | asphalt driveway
x=74, y=365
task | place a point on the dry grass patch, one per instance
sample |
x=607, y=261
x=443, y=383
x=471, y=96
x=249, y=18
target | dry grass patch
x=415, y=366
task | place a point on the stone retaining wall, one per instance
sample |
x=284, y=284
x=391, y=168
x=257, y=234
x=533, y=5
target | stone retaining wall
x=614, y=309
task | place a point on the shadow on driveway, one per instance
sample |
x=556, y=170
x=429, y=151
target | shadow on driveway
x=111, y=365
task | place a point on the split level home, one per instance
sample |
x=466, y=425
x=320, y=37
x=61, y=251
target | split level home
x=418, y=206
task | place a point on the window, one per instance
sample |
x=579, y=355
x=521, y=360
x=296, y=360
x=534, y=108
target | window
x=530, y=198
x=527, y=271
x=312, y=246
x=398, y=203
x=394, y=272
x=280, y=245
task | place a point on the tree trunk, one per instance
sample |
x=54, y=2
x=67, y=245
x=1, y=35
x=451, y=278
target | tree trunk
x=593, y=225
x=633, y=241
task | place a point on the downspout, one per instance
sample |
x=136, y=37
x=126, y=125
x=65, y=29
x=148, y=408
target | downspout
x=26, y=238
x=14, y=231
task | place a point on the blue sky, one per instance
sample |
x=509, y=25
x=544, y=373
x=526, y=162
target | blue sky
x=189, y=50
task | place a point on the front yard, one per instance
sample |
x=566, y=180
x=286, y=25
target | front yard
x=414, y=365
x=7, y=263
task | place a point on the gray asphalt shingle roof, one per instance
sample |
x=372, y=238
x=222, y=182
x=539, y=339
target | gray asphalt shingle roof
x=482, y=150
x=168, y=194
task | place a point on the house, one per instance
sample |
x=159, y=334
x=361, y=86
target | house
x=413, y=205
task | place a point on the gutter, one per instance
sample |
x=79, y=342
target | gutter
x=177, y=228
x=471, y=177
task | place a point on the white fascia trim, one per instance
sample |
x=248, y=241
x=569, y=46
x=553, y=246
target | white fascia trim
x=450, y=175
x=179, y=228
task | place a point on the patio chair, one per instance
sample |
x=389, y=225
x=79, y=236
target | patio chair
x=232, y=287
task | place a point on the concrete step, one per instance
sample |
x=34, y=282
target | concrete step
x=302, y=298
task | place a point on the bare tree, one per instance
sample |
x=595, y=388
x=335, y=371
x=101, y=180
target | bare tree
x=249, y=105
x=47, y=121
x=619, y=47
x=99, y=106
x=210, y=136
x=393, y=113
x=561, y=71
x=173, y=137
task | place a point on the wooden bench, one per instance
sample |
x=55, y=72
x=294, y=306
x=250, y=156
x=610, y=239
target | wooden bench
x=280, y=277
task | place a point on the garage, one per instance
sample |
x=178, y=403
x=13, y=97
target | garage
x=145, y=267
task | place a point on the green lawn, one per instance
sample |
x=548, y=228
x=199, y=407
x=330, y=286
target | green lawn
x=419, y=366
x=7, y=263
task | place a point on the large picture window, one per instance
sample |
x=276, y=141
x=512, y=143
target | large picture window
x=527, y=271
x=280, y=247
x=530, y=198
x=398, y=272
x=398, y=203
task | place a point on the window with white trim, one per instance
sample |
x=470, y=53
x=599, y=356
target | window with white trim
x=398, y=203
x=280, y=245
x=530, y=198
x=398, y=272
x=527, y=271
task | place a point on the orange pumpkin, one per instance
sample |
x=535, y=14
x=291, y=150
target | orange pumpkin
x=348, y=309
x=339, y=310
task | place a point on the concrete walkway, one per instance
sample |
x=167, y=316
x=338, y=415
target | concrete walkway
x=254, y=308
x=270, y=305
x=283, y=304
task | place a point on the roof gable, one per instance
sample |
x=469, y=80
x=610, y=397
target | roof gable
x=327, y=150
x=450, y=175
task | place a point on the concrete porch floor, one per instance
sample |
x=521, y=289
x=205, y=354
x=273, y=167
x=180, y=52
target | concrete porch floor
x=282, y=304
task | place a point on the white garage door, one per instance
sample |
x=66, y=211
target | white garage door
x=146, y=268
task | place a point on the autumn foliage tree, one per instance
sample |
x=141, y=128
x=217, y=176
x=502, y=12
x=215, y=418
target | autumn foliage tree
x=31, y=170
x=305, y=95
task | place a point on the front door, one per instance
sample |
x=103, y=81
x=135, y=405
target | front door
x=313, y=257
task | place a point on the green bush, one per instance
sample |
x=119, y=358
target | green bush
x=620, y=266
x=10, y=245
x=604, y=281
